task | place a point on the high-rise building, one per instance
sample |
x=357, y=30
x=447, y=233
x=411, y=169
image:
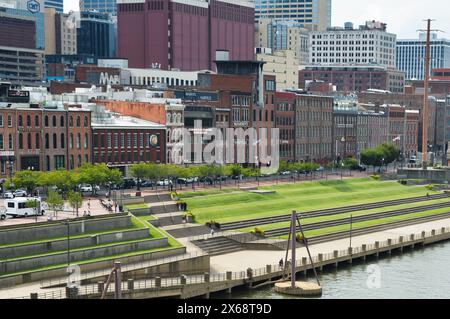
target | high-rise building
x=21, y=41
x=105, y=6
x=193, y=31
x=370, y=44
x=310, y=14
x=283, y=35
x=411, y=55
x=58, y=5
x=60, y=33
x=96, y=35
x=282, y=64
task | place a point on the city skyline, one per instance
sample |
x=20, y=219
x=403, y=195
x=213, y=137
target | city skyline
x=383, y=10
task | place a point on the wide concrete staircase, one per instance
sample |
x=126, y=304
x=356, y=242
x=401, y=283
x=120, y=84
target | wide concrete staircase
x=218, y=246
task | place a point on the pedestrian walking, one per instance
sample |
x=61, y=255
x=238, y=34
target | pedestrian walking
x=281, y=263
x=212, y=231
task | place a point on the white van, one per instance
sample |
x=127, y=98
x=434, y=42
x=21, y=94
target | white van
x=18, y=207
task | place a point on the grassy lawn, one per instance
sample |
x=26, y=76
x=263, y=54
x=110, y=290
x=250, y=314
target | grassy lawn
x=136, y=206
x=305, y=196
x=157, y=232
x=359, y=225
x=307, y=221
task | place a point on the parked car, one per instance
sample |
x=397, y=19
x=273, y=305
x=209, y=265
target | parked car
x=2, y=213
x=359, y=168
x=129, y=183
x=164, y=182
x=182, y=181
x=8, y=195
x=20, y=193
x=86, y=188
x=286, y=173
x=208, y=180
x=146, y=184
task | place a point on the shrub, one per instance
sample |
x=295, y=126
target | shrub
x=375, y=177
x=189, y=214
x=430, y=186
x=299, y=238
x=259, y=231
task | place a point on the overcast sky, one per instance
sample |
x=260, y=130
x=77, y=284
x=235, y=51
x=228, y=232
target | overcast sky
x=403, y=17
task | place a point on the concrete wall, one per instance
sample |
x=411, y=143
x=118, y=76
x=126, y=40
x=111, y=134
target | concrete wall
x=55, y=230
x=75, y=243
x=133, y=200
x=33, y=276
x=141, y=211
x=430, y=174
x=61, y=258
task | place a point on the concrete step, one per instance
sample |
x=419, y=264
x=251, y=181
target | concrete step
x=189, y=231
x=218, y=246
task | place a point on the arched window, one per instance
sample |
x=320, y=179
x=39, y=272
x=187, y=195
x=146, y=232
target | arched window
x=71, y=141
x=78, y=141
x=63, y=141
x=79, y=161
x=47, y=163
x=28, y=121
x=36, y=121
x=54, y=121
x=78, y=121
x=62, y=121
x=71, y=121
x=20, y=121
x=86, y=141
x=46, y=121
x=169, y=116
x=86, y=121
x=71, y=162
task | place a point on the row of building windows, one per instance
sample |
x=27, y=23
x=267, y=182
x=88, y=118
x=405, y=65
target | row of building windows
x=37, y=121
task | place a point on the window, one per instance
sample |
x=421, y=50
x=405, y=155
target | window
x=28, y=121
x=59, y=161
x=86, y=143
x=21, y=141
x=36, y=121
x=1, y=120
x=78, y=121
x=11, y=142
x=86, y=121
x=9, y=120
x=1, y=142
x=63, y=141
x=38, y=141
x=54, y=120
x=71, y=121
x=20, y=121
x=55, y=141
x=62, y=121
x=78, y=141
x=71, y=141
x=29, y=141
x=46, y=121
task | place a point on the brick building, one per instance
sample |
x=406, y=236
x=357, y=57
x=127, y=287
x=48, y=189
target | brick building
x=285, y=121
x=44, y=138
x=314, y=128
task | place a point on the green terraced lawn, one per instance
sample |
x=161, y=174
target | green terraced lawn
x=136, y=206
x=306, y=196
x=307, y=221
x=359, y=225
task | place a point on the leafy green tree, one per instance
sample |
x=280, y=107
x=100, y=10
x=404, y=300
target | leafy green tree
x=26, y=179
x=55, y=202
x=350, y=163
x=391, y=153
x=139, y=171
x=75, y=201
x=372, y=157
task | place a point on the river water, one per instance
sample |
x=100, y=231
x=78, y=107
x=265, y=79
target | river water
x=422, y=273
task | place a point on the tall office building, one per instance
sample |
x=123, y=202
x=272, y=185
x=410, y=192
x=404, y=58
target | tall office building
x=21, y=41
x=370, y=44
x=311, y=14
x=184, y=34
x=411, y=55
x=58, y=5
x=105, y=6
x=60, y=33
x=96, y=35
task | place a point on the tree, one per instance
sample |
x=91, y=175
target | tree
x=139, y=171
x=372, y=157
x=55, y=202
x=26, y=179
x=350, y=163
x=391, y=153
x=75, y=200
x=98, y=175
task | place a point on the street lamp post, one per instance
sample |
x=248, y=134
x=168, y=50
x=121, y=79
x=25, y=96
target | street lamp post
x=67, y=223
x=351, y=229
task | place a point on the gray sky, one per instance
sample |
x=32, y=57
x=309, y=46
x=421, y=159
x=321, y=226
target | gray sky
x=403, y=17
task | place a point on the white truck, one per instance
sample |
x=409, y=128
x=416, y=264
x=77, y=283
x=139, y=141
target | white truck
x=24, y=207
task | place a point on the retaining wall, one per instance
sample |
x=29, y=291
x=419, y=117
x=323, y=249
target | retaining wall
x=55, y=230
x=61, y=258
x=75, y=243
